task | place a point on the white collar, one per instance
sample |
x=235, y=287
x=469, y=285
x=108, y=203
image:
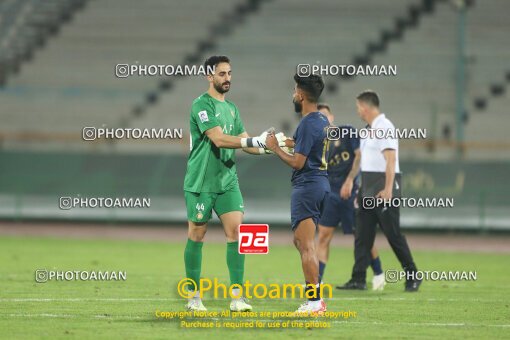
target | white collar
x=378, y=118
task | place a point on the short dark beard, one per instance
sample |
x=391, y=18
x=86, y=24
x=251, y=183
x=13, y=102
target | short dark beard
x=219, y=88
x=298, y=107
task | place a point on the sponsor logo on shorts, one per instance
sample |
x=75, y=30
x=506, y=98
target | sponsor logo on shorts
x=200, y=208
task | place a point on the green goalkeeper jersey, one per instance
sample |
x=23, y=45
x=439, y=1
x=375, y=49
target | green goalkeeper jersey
x=211, y=169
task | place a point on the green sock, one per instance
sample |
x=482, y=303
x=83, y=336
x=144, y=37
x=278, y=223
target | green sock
x=235, y=263
x=193, y=260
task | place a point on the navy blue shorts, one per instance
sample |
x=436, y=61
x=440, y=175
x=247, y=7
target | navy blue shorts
x=307, y=201
x=338, y=210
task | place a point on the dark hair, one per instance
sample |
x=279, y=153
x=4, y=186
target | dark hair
x=214, y=60
x=312, y=85
x=369, y=97
x=321, y=106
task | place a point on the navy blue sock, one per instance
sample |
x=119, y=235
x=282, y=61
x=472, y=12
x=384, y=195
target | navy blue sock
x=313, y=291
x=376, y=266
x=322, y=267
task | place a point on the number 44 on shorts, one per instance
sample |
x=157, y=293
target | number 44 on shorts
x=253, y=239
x=200, y=210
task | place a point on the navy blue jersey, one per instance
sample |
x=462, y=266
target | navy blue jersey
x=311, y=141
x=341, y=155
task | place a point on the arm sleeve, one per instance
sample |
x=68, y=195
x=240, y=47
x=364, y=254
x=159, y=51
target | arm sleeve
x=203, y=116
x=239, y=126
x=304, y=139
x=388, y=143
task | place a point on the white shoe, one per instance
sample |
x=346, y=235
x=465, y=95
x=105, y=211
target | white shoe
x=310, y=307
x=195, y=304
x=240, y=305
x=378, y=282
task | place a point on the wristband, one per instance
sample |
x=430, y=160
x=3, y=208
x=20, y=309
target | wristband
x=244, y=142
x=251, y=142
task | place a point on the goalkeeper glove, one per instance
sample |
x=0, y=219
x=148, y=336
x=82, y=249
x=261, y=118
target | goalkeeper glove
x=256, y=142
x=263, y=151
x=281, y=138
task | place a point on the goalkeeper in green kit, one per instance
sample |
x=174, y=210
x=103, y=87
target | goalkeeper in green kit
x=211, y=183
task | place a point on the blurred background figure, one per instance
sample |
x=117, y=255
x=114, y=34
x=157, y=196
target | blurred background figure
x=343, y=171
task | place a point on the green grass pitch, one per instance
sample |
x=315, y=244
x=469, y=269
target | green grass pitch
x=117, y=309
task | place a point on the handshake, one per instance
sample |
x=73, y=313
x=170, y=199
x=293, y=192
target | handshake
x=264, y=144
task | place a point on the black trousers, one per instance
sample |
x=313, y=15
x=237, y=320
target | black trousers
x=366, y=223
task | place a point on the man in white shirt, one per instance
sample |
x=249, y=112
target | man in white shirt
x=380, y=176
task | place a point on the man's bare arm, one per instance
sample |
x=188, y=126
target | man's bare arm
x=290, y=143
x=295, y=161
x=346, y=190
x=222, y=140
x=355, y=165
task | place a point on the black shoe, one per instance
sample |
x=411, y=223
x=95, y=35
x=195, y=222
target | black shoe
x=353, y=285
x=412, y=285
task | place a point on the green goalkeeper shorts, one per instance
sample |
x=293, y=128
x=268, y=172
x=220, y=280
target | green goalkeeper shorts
x=201, y=204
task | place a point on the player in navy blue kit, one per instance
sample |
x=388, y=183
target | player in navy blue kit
x=343, y=172
x=310, y=185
